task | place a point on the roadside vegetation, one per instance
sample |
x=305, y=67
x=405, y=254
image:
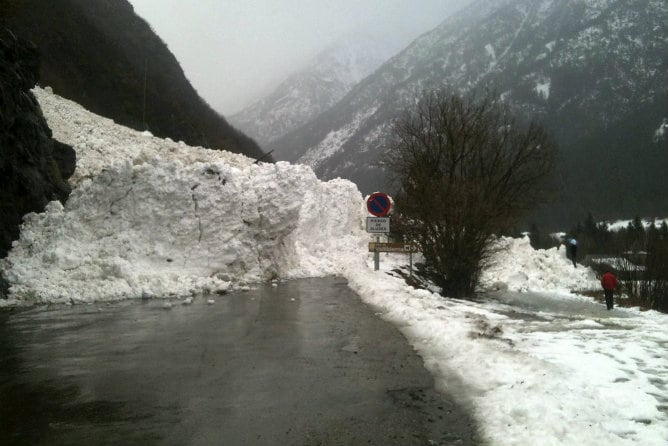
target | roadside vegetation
x=466, y=169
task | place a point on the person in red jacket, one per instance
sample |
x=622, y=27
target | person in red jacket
x=609, y=283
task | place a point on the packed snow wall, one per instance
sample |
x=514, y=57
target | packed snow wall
x=154, y=218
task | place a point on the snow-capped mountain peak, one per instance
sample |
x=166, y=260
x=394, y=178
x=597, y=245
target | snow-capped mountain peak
x=315, y=88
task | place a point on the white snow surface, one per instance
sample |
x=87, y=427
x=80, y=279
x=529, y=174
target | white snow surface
x=543, y=89
x=660, y=133
x=618, y=225
x=538, y=363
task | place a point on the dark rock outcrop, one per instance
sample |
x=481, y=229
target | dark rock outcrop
x=33, y=167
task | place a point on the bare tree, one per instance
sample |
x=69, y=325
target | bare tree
x=466, y=170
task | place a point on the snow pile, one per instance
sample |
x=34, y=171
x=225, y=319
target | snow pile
x=99, y=142
x=152, y=218
x=518, y=267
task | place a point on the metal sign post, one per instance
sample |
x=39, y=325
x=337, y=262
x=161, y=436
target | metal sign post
x=379, y=205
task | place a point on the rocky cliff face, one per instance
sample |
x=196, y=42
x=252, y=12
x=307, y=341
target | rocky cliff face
x=33, y=167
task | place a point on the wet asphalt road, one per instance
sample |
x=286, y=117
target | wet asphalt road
x=303, y=363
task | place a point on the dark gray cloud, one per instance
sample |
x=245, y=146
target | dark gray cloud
x=233, y=51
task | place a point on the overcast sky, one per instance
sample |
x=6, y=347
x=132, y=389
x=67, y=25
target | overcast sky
x=234, y=51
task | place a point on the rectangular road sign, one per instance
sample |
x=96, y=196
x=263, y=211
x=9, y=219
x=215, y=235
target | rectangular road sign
x=378, y=225
x=393, y=247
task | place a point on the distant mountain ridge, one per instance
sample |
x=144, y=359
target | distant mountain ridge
x=315, y=88
x=100, y=54
x=594, y=72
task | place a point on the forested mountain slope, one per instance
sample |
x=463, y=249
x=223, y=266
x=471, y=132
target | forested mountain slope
x=100, y=54
x=594, y=72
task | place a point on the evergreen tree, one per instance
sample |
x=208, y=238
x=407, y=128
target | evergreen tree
x=652, y=235
x=636, y=234
x=663, y=232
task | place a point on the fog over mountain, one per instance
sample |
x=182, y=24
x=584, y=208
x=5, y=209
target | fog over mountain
x=316, y=88
x=252, y=46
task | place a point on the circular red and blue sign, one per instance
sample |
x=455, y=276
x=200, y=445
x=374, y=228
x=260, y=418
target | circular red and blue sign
x=379, y=204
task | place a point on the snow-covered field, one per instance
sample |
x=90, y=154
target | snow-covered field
x=538, y=364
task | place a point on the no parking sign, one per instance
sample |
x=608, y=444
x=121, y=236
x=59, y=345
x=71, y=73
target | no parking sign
x=379, y=204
